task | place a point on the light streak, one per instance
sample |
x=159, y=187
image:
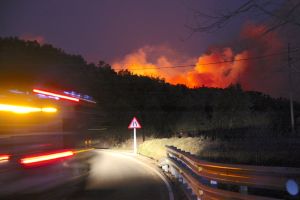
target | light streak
x=25, y=109
x=55, y=95
x=40, y=159
x=4, y=157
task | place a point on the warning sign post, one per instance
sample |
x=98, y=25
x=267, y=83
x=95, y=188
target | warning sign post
x=134, y=124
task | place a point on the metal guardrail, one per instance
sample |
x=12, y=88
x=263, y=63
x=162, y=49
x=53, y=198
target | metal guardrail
x=208, y=180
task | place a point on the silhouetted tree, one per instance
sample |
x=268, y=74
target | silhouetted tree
x=162, y=108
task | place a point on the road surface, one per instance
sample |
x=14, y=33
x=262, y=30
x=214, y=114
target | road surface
x=116, y=176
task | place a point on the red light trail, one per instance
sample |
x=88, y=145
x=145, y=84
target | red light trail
x=55, y=95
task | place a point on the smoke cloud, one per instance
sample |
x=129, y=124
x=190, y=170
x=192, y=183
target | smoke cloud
x=219, y=67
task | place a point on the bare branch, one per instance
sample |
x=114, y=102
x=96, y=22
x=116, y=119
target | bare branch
x=222, y=19
x=281, y=17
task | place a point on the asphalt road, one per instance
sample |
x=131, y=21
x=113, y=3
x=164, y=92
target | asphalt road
x=120, y=176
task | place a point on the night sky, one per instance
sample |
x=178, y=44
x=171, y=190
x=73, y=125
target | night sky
x=152, y=34
x=109, y=29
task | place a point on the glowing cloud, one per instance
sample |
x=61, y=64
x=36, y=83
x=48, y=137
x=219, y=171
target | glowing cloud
x=212, y=75
x=218, y=67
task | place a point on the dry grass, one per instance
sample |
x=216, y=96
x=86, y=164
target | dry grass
x=255, y=151
x=155, y=148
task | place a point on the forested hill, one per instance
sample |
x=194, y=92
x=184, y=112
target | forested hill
x=164, y=109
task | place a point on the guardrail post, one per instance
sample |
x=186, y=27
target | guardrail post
x=180, y=179
x=243, y=189
x=176, y=174
x=172, y=171
x=165, y=168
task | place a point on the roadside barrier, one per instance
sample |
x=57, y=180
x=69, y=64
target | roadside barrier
x=215, y=181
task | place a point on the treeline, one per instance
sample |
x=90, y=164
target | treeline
x=163, y=109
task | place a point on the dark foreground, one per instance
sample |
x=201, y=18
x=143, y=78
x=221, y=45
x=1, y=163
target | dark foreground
x=113, y=176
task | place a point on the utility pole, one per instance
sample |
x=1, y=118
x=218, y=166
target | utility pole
x=291, y=90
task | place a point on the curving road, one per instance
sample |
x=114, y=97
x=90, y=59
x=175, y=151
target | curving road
x=116, y=176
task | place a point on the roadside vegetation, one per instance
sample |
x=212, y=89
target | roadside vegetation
x=256, y=151
x=155, y=148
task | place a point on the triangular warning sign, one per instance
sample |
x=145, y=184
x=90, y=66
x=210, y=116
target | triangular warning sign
x=134, y=124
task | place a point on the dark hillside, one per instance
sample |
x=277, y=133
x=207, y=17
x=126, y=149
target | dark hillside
x=162, y=108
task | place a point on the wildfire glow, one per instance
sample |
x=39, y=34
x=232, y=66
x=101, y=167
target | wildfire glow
x=25, y=109
x=218, y=67
x=213, y=75
x=216, y=75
